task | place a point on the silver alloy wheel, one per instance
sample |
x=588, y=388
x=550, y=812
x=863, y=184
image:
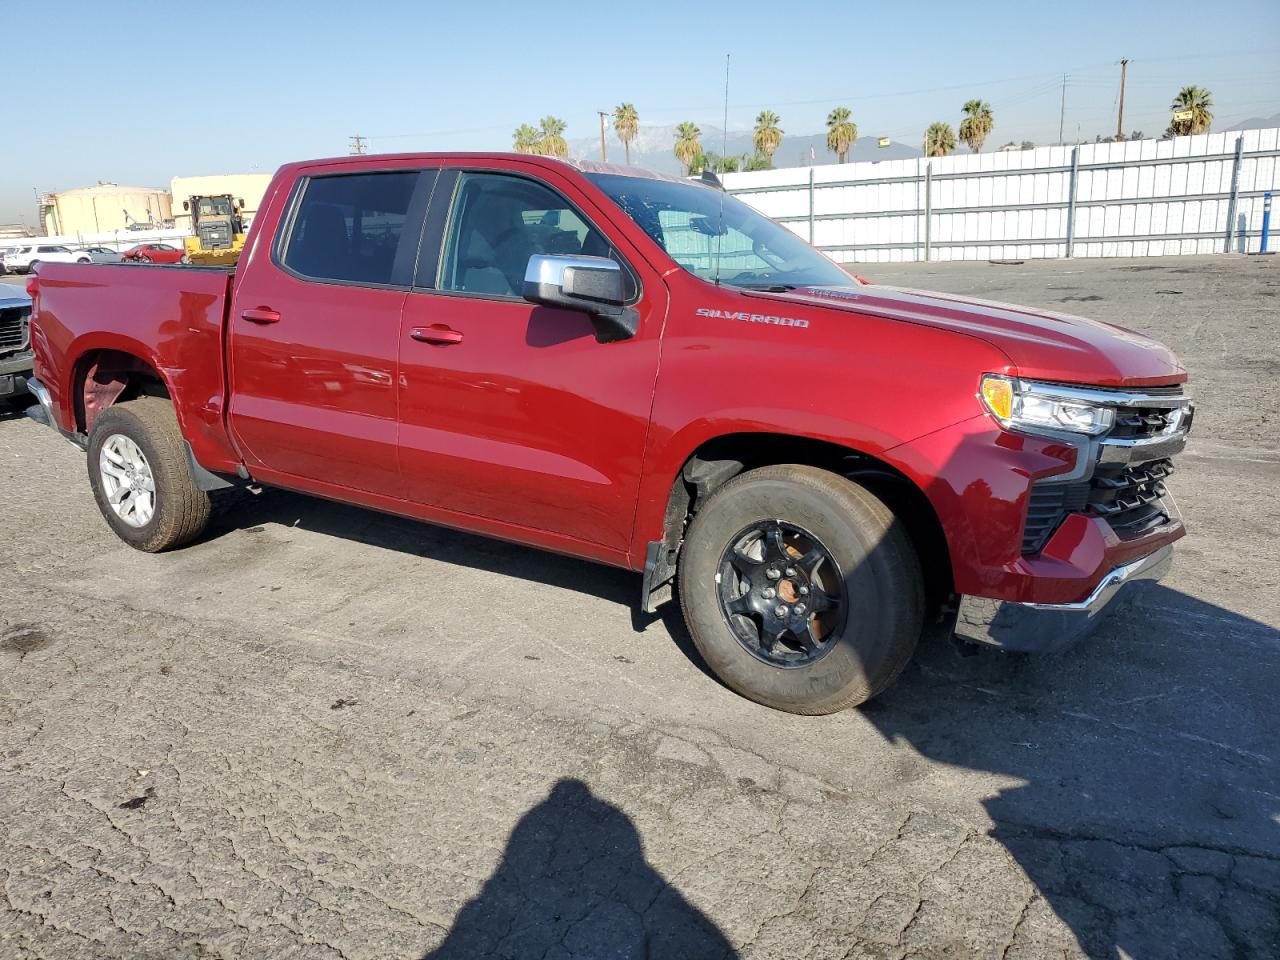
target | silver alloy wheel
x=127, y=480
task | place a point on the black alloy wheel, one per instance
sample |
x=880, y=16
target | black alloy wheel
x=782, y=593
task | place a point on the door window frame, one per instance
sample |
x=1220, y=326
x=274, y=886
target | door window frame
x=402, y=272
x=432, y=248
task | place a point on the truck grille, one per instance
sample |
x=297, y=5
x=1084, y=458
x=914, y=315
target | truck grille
x=1128, y=497
x=13, y=327
x=1138, y=423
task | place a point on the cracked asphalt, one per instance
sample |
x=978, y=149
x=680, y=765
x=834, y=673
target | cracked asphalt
x=322, y=732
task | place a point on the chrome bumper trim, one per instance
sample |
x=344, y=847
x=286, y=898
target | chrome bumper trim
x=41, y=393
x=1044, y=627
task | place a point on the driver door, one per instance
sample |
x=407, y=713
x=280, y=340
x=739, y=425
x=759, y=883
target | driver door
x=514, y=412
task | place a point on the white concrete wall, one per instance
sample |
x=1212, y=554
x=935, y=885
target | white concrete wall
x=874, y=212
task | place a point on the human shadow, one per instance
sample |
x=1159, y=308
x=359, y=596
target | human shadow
x=1149, y=814
x=574, y=882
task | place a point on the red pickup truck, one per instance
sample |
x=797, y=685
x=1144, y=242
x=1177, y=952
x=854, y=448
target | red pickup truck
x=641, y=371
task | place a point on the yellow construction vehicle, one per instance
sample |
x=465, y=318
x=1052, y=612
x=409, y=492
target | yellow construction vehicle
x=219, y=230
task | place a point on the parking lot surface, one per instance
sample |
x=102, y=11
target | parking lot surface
x=322, y=732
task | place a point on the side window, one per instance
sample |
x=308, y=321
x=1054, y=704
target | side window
x=349, y=226
x=499, y=222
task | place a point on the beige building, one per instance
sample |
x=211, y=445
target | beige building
x=248, y=187
x=104, y=207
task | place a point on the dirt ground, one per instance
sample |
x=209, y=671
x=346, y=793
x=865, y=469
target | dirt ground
x=322, y=732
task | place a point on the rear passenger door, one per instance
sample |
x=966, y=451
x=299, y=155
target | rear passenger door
x=315, y=331
x=513, y=412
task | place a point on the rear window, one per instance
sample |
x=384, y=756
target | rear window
x=349, y=227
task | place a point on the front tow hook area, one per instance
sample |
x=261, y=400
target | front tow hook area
x=1046, y=627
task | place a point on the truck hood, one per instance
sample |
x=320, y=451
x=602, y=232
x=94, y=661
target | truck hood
x=1040, y=344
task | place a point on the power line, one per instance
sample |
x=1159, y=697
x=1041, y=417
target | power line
x=357, y=146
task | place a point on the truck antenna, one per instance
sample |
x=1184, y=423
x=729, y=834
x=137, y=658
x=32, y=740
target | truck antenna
x=724, y=146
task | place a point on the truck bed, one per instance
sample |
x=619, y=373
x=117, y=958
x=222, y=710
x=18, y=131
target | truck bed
x=172, y=317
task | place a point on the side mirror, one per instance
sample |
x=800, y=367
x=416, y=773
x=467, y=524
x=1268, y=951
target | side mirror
x=592, y=285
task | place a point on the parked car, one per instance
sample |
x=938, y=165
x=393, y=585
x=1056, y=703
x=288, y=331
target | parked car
x=98, y=255
x=155, y=253
x=641, y=371
x=15, y=341
x=27, y=258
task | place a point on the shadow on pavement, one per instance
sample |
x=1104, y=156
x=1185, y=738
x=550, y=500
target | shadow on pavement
x=1149, y=815
x=574, y=882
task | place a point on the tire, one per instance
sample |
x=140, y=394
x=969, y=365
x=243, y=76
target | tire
x=84, y=260
x=179, y=510
x=144, y=259
x=31, y=267
x=869, y=571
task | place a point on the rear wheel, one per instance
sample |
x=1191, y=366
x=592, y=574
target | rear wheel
x=801, y=589
x=31, y=267
x=141, y=477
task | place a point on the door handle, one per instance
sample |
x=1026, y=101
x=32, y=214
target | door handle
x=261, y=315
x=436, y=333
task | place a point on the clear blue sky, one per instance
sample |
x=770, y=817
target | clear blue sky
x=130, y=90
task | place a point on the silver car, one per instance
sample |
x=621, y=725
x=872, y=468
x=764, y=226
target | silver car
x=98, y=255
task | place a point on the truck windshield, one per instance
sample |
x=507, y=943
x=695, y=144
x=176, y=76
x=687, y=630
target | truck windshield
x=717, y=237
x=215, y=207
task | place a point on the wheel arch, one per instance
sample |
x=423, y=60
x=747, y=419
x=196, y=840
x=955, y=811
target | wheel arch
x=104, y=374
x=719, y=458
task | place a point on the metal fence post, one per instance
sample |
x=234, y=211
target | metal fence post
x=1266, y=221
x=811, y=206
x=928, y=208
x=1235, y=190
x=1071, y=201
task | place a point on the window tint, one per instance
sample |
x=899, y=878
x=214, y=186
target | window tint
x=499, y=222
x=348, y=227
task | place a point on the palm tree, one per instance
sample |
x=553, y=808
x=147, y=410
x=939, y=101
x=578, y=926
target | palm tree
x=977, y=123
x=768, y=136
x=1198, y=100
x=939, y=140
x=553, y=143
x=688, y=145
x=626, y=124
x=526, y=139
x=841, y=132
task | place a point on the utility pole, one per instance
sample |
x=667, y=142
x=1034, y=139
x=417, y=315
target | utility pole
x=357, y=146
x=1120, y=118
x=1062, y=112
x=603, y=114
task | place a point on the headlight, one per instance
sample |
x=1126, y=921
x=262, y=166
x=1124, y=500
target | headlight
x=1037, y=407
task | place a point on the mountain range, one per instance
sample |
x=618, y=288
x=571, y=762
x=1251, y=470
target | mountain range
x=652, y=148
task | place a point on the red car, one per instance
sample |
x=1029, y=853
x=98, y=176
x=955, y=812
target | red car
x=155, y=253
x=645, y=372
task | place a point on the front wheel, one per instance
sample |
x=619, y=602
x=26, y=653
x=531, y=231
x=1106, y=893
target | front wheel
x=31, y=267
x=801, y=589
x=141, y=477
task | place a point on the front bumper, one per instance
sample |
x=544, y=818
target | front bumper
x=15, y=373
x=1045, y=627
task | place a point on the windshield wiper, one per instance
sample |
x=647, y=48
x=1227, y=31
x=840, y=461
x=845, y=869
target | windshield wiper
x=766, y=287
